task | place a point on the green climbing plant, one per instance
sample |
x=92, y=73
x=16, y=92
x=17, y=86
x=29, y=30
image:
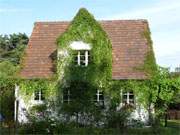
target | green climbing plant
x=98, y=72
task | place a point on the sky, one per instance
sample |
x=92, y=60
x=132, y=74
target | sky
x=163, y=17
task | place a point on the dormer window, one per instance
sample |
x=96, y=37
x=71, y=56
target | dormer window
x=81, y=57
x=81, y=52
x=39, y=95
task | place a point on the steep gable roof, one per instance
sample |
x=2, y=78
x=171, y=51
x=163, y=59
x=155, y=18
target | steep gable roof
x=129, y=48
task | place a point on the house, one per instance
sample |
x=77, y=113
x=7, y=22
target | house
x=123, y=47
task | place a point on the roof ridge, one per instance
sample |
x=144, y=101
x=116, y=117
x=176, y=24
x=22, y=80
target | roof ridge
x=119, y=20
x=122, y=20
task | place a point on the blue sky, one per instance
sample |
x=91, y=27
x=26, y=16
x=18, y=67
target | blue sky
x=163, y=16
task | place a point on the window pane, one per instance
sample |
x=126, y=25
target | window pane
x=82, y=62
x=131, y=96
x=100, y=93
x=36, y=95
x=75, y=58
x=66, y=96
x=124, y=96
x=101, y=97
x=65, y=101
x=42, y=95
x=82, y=57
x=131, y=93
x=89, y=58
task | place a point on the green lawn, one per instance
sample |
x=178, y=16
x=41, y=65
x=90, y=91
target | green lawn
x=172, y=129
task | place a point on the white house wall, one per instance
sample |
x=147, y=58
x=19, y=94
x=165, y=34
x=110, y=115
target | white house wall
x=23, y=107
x=140, y=113
x=80, y=45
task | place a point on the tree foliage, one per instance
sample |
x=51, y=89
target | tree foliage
x=12, y=46
x=158, y=92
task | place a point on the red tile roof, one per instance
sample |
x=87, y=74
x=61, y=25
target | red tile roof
x=129, y=48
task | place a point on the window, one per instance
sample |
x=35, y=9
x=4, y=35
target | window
x=128, y=97
x=66, y=96
x=39, y=95
x=81, y=57
x=99, y=98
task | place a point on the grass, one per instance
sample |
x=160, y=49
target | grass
x=174, y=123
x=172, y=129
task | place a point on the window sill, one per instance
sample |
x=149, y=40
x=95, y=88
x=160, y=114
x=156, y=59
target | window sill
x=38, y=102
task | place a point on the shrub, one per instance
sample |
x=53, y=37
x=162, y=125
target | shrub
x=119, y=119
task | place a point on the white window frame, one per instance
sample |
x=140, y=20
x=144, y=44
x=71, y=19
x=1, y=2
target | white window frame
x=39, y=94
x=79, y=57
x=128, y=99
x=98, y=94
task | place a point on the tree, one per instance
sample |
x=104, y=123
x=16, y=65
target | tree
x=165, y=90
x=158, y=92
x=7, y=70
x=12, y=47
x=7, y=84
x=10, y=42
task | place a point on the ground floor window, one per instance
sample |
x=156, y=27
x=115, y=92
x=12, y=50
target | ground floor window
x=39, y=95
x=128, y=97
x=66, y=96
x=99, y=97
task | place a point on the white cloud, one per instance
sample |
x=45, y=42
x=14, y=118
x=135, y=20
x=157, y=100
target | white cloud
x=162, y=6
x=163, y=11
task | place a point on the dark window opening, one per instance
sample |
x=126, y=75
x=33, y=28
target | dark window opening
x=39, y=95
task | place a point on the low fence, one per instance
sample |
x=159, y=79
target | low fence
x=174, y=114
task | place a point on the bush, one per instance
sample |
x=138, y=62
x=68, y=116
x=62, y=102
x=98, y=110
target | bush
x=35, y=128
x=119, y=119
